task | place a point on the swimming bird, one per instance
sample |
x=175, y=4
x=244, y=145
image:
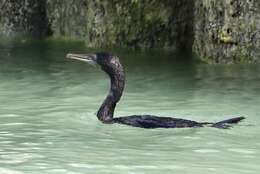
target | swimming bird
x=112, y=66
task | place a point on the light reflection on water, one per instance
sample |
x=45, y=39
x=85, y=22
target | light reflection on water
x=47, y=107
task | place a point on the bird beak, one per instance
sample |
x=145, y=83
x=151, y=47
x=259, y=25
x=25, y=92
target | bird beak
x=89, y=58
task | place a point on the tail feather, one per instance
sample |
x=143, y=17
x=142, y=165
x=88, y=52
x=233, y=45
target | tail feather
x=226, y=123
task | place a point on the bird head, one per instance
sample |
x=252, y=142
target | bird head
x=106, y=61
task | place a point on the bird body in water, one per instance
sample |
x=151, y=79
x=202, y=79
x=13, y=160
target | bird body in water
x=112, y=66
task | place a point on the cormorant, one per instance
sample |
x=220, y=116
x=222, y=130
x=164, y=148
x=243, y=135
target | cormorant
x=112, y=66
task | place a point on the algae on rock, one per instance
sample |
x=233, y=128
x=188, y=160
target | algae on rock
x=123, y=23
x=219, y=31
x=227, y=31
x=23, y=17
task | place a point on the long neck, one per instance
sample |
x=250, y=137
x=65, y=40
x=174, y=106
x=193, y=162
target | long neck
x=106, y=110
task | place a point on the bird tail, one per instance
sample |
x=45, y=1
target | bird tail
x=225, y=124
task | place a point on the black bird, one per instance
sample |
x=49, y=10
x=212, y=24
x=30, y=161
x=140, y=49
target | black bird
x=112, y=66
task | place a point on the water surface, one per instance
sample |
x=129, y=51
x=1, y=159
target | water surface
x=48, y=106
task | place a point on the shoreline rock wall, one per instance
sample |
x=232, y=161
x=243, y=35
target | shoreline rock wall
x=227, y=31
x=123, y=23
x=23, y=18
x=218, y=31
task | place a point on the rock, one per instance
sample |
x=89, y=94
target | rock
x=123, y=23
x=219, y=31
x=227, y=31
x=23, y=17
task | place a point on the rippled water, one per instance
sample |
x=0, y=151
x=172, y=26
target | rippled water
x=48, y=105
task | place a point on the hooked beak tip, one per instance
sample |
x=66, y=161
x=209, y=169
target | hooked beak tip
x=67, y=55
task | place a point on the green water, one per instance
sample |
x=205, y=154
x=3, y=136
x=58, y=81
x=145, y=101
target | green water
x=48, y=105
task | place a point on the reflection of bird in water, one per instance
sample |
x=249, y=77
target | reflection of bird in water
x=111, y=65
